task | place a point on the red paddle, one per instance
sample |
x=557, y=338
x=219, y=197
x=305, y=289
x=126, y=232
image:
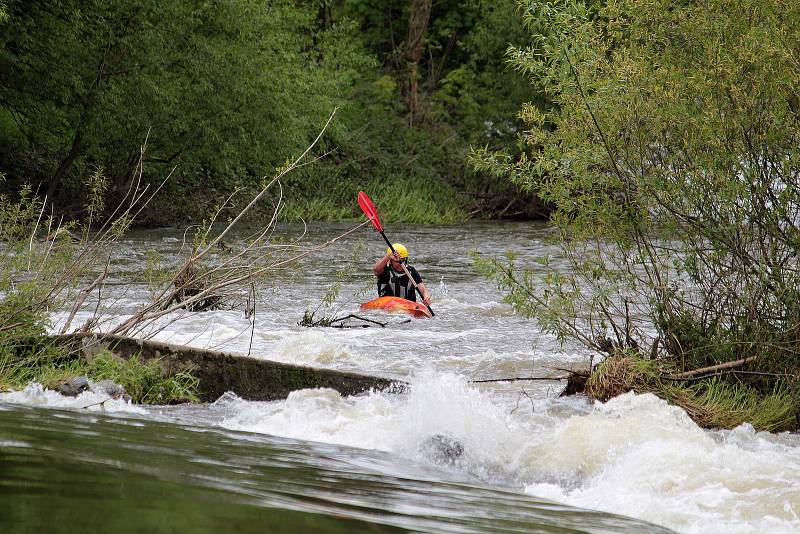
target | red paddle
x=372, y=214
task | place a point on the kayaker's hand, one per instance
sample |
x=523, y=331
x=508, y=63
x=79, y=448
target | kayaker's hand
x=426, y=300
x=394, y=256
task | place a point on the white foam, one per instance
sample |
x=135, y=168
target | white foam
x=36, y=394
x=378, y=421
x=311, y=347
x=635, y=455
x=641, y=457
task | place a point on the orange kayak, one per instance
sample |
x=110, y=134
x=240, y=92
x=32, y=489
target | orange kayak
x=397, y=305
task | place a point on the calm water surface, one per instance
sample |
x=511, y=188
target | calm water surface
x=317, y=461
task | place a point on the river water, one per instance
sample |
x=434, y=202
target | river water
x=528, y=461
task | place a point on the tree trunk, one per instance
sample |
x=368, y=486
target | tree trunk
x=77, y=140
x=325, y=15
x=417, y=25
x=66, y=163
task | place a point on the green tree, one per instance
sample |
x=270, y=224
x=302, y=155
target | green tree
x=225, y=90
x=670, y=151
x=463, y=97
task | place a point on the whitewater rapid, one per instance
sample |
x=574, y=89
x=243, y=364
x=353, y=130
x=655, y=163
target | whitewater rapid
x=635, y=455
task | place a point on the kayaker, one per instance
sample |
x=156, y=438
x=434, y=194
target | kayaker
x=392, y=279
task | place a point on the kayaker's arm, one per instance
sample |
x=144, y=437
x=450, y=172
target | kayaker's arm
x=380, y=265
x=426, y=297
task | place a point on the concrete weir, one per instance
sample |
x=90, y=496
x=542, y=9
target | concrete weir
x=218, y=372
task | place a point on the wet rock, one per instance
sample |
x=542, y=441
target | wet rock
x=112, y=389
x=442, y=449
x=74, y=386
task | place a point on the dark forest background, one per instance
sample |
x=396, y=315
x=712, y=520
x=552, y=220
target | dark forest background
x=226, y=92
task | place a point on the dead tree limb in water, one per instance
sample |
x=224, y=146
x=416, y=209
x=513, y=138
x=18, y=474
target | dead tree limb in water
x=713, y=368
x=519, y=378
x=308, y=320
x=570, y=371
x=576, y=382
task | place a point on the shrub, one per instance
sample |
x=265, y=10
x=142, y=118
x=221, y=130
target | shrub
x=670, y=152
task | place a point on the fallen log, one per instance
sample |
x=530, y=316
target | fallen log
x=518, y=378
x=576, y=380
x=713, y=368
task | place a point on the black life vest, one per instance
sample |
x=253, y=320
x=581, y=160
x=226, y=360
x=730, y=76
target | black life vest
x=393, y=284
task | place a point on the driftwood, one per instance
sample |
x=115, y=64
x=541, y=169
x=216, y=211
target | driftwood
x=585, y=373
x=576, y=381
x=520, y=378
x=339, y=322
x=712, y=369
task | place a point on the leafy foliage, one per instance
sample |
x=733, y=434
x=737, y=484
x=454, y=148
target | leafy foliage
x=223, y=92
x=670, y=151
x=216, y=85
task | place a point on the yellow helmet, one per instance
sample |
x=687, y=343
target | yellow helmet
x=400, y=249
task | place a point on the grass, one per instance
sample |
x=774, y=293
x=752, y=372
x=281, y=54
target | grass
x=40, y=360
x=726, y=405
x=399, y=200
x=711, y=403
x=145, y=382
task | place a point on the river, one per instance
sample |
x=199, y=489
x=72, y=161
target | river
x=529, y=461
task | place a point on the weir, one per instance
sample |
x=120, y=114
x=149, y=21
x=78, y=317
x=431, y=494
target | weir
x=249, y=378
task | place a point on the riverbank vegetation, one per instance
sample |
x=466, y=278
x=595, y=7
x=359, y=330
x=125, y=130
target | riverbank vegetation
x=29, y=354
x=224, y=91
x=52, y=272
x=670, y=152
x=47, y=265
